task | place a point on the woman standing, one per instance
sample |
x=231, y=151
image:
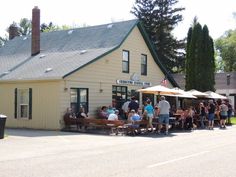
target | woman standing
x=223, y=114
x=211, y=114
x=150, y=114
x=202, y=114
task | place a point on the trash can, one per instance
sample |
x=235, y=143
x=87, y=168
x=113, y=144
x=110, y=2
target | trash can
x=2, y=125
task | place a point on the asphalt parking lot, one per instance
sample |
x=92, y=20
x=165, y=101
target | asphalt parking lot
x=35, y=153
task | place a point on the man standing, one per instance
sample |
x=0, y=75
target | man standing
x=164, y=110
x=133, y=105
x=125, y=108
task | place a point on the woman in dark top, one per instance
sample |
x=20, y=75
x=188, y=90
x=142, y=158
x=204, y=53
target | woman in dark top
x=211, y=114
x=202, y=114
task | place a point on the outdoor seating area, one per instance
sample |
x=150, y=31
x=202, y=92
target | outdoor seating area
x=123, y=127
x=203, y=113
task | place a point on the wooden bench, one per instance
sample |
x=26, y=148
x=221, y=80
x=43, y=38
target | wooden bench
x=136, y=127
x=113, y=126
x=69, y=122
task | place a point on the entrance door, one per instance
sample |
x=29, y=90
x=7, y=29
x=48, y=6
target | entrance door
x=78, y=98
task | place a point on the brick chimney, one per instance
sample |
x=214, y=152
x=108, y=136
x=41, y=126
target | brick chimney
x=35, y=43
x=13, y=31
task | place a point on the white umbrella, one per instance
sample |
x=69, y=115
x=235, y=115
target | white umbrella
x=214, y=95
x=158, y=90
x=182, y=93
x=197, y=93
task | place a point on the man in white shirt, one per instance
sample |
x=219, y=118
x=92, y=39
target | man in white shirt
x=125, y=108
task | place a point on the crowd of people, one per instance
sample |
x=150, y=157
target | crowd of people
x=205, y=114
x=202, y=115
x=132, y=112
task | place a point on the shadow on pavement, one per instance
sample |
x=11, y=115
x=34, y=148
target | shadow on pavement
x=41, y=133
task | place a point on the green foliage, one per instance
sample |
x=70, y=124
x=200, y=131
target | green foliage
x=233, y=120
x=226, y=45
x=51, y=27
x=3, y=40
x=159, y=18
x=25, y=26
x=200, y=60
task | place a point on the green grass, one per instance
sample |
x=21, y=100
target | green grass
x=233, y=120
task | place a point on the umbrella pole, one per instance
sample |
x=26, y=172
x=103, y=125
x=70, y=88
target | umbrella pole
x=140, y=99
x=176, y=103
x=155, y=100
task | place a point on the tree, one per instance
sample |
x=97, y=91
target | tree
x=51, y=27
x=2, y=41
x=200, y=60
x=226, y=46
x=25, y=26
x=159, y=19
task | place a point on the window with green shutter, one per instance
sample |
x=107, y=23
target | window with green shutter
x=23, y=103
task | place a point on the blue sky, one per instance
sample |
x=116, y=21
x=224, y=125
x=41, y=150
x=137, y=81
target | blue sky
x=216, y=14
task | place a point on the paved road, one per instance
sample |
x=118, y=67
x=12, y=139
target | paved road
x=201, y=153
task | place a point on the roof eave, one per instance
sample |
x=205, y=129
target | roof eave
x=31, y=80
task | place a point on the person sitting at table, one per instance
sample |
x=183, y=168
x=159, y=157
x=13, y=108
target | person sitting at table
x=134, y=118
x=81, y=115
x=103, y=113
x=110, y=110
x=69, y=117
x=189, y=118
x=113, y=116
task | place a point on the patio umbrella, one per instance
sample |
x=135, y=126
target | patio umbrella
x=214, y=95
x=182, y=93
x=158, y=90
x=197, y=93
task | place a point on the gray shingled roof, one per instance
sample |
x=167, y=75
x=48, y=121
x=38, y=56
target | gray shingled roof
x=61, y=51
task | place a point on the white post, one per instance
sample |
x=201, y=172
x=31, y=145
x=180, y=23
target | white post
x=140, y=99
x=155, y=100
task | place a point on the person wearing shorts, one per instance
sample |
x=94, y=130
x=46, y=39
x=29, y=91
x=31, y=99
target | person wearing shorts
x=150, y=114
x=223, y=114
x=164, y=110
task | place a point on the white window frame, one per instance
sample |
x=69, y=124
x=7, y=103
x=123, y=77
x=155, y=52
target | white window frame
x=20, y=104
x=144, y=64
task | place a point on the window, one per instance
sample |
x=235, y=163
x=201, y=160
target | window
x=23, y=103
x=119, y=95
x=125, y=61
x=78, y=98
x=143, y=64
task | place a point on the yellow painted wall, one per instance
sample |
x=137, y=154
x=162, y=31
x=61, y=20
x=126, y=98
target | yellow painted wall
x=103, y=73
x=45, y=105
